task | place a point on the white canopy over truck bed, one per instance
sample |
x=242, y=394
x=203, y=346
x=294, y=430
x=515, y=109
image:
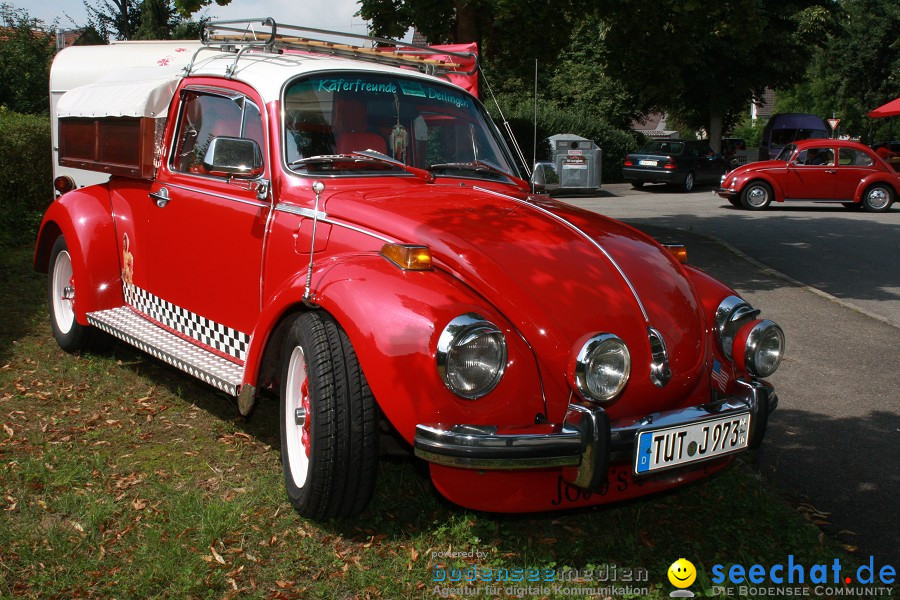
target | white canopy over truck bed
x=113, y=86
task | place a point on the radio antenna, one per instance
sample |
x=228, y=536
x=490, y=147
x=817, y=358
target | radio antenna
x=534, y=142
x=507, y=126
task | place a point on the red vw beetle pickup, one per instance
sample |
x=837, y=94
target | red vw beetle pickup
x=819, y=170
x=346, y=227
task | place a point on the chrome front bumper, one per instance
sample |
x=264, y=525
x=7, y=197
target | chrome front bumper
x=586, y=439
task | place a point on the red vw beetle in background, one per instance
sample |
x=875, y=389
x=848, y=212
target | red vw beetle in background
x=818, y=170
x=351, y=233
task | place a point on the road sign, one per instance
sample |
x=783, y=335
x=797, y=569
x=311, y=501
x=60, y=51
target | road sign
x=834, y=123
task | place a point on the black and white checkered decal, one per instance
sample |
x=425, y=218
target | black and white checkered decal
x=229, y=341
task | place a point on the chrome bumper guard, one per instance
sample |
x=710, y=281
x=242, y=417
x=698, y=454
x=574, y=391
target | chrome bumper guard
x=586, y=439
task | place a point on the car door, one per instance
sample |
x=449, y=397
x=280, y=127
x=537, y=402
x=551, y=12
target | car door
x=711, y=166
x=207, y=232
x=811, y=175
x=853, y=166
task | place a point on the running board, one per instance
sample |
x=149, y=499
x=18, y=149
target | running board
x=129, y=326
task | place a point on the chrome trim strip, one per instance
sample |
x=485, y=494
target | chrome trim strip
x=377, y=236
x=583, y=234
x=300, y=211
x=323, y=216
x=194, y=190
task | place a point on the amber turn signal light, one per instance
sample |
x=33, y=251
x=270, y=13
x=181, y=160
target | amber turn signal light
x=408, y=257
x=678, y=251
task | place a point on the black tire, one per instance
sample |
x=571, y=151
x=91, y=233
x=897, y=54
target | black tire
x=688, y=183
x=637, y=184
x=878, y=197
x=734, y=201
x=70, y=335
x=756, y=195
x=330, y=457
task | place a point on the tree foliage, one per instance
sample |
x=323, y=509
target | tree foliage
x=704, y=61
x=511, y=34
x=855, y=71
x=27, y=48
x=137, y=20
x=120, y=18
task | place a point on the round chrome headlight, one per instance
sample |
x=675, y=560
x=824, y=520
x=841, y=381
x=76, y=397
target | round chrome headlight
x=471, y=356
x=764, y=349
x=732, y=314
x=602, y=367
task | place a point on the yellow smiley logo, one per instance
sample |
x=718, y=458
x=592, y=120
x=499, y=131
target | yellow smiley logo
x=682, y=573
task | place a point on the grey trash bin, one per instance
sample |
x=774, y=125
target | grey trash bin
x=578, y=162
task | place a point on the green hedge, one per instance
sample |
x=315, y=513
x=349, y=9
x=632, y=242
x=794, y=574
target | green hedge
x=26, y=176
x=615, y=143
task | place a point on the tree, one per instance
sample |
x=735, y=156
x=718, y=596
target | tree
x=705, y=61
x=27, y=48
x=120, y=18
x=857, y=69
x=188, y=7
x=511, y=34
x=138, y=20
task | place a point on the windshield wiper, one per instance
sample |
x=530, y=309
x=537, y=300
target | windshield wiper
x=481, y=166
x=363, y=156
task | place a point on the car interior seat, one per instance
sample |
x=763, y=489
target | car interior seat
x=351, y=129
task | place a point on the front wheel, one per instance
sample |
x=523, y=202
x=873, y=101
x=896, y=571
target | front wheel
x=757, y=195
x=70, y=335
x=329, y=438
x=877, y=198
x=734, y=201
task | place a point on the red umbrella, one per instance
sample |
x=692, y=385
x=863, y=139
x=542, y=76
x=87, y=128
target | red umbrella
x=890, y=109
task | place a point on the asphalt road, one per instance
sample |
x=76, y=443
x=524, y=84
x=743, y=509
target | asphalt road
x=852, y=255
x=834, y=442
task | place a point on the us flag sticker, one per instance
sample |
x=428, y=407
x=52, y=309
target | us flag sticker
x=718, y=373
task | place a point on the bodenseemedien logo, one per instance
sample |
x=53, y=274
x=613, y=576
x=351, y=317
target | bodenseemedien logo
x=682, y=574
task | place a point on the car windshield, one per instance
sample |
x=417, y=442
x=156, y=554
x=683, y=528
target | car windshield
x=661, y=147
x=420, y=123
x=786, y=153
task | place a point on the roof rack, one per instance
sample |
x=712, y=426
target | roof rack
x=266, y=35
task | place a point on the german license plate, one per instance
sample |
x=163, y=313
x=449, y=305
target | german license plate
x=647, y=163
x=674, y=446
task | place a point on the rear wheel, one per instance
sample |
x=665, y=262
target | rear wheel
x=877, y=198
x=757, y=195
x=70, y=335
x=329, y=439
x=688, y=183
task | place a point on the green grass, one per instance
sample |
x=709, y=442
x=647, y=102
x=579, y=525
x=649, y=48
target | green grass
x=121, y=477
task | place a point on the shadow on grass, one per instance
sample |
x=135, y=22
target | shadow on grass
x=22, y=296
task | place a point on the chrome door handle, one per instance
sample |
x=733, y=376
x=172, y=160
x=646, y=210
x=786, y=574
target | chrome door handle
x=830, y=171
x=161, y=197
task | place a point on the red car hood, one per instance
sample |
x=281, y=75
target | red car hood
x=528, y=259
x=756, y=166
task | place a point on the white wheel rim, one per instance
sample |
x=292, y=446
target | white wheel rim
x=297, y=432
x=63, y=293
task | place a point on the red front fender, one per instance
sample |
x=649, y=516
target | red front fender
x=393, y=319
x=83, y=218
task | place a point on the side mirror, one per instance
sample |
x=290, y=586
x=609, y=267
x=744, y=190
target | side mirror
x=538, y=178
x=233, y=157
